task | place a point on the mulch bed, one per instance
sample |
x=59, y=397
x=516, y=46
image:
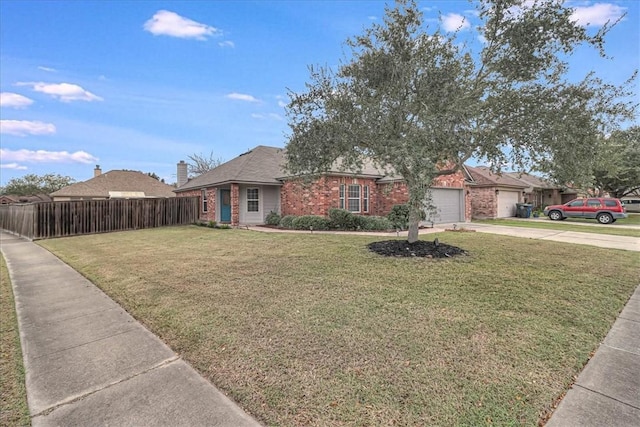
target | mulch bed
x=421, y=248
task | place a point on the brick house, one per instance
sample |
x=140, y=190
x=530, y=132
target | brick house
x=246, y=189
x=494, y=195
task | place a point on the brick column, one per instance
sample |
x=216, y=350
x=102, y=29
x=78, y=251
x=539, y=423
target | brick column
x=235, y=204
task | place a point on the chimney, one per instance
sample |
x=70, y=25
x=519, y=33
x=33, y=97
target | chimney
x=97, y=171
x=182, y=173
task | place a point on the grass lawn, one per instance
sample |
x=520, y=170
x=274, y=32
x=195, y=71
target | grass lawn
x=313, y=329
x=570, y=224
x=13, y=396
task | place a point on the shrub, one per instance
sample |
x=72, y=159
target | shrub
x=212, y=224
x=343, y=219
x=305, y=222
x=399, y=216
x=272, y=218
x=287, y=221
x=375, y=223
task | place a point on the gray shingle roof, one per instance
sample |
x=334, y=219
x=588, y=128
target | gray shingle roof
x=482, y=176
x=261, y=165
x=532, y=180
x=117, y=180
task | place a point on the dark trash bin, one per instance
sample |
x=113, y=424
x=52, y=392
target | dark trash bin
x=523, y=210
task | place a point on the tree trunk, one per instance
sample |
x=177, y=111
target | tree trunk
x=415, y=214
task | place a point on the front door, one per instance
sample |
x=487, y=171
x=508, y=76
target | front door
x=225, y=205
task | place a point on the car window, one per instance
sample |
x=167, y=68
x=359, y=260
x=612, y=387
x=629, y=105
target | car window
x=593, y=203
x=612, y=203
x=576, y=203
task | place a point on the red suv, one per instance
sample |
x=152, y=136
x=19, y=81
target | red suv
x=606, y=210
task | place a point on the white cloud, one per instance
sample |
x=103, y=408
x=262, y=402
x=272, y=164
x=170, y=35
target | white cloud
x=14, y=100
x=47, y=69
x=25, y=127
x=42, y=156
x=171, y=24
x=227, y=43
x=65, y=92
x=272, y=116
x=372, y=18
x=13, y=166
x=597, y=14
x=242, y=97
x=453, y=22
x=282, y=104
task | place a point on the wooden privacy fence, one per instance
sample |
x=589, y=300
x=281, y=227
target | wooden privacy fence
x=58, y=219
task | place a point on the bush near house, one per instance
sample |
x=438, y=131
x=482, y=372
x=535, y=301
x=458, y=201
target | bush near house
x=339, y=219
x=306, y=222
x=272, y=218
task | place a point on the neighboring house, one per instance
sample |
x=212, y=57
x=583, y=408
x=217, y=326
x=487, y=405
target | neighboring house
x=247, y=188
x=493, y=195
x=9, y=199
x=541, y=193
x=115, y=184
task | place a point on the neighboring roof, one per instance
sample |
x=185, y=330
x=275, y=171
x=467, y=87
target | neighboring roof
x=484, y=177
x=26, y=199
x=260, y=165
x=531, y=180
x=117, y=181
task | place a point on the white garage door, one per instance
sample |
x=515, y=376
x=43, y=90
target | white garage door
x=449, y=204
x=507, y=203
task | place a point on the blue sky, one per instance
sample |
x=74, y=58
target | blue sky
x=143, y=84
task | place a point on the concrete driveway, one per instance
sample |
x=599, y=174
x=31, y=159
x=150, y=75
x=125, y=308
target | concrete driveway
x=600, y=240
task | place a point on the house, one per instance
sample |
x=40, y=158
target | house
x=542, y=193
x=9, y=199
x=247, y=188
x=494, y=195
x=115, y=184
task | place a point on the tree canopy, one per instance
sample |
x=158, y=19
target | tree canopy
x=417, y=101
x=32, y=184
x=618, y=167
x=200, y=163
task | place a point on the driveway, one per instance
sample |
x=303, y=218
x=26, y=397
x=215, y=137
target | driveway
x=600, y=240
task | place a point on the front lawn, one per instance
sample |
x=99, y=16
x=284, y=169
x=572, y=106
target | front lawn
x=313, y=329
x=570, y=224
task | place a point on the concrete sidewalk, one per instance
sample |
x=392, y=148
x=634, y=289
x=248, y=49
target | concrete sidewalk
x=607, y=391
x=88, y=362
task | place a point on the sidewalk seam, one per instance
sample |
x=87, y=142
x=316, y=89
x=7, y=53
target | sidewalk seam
x=85, y=343
x=71, y=400
x=607, y=396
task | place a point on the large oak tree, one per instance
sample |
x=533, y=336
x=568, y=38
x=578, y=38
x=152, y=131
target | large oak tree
x=419, y=102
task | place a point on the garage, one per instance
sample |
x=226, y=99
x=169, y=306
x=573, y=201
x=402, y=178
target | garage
x=449, y=204
x=507, y=203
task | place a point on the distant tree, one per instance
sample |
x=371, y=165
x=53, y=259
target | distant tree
x=421, y=102
x=200, y=163
x=618, y=167
x=155, y=176
x=32, y=184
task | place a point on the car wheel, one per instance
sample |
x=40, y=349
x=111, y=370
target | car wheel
x=604, y=218
x=555, y=215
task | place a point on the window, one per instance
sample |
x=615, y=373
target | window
x=365, y=198
x=204, y=200
x=341, y=196
x=576, y=203
x=610, y=203
x=252, y=200
x=353, y=198
x=594, y=203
